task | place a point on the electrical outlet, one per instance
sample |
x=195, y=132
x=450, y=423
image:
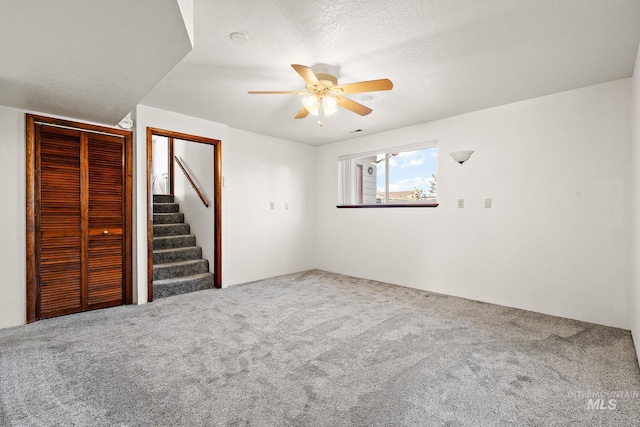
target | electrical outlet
x=487, y=203
x=460, y=203
x=273, y=205
x=286, y=206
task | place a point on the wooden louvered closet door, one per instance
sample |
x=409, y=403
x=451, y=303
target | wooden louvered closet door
x=80, y=204
x=105, y=256
x=59, y=233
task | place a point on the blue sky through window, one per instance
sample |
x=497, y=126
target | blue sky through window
x=408, y=170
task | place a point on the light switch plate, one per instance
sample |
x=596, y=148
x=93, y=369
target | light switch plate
x=460, y=203
x=487, y=203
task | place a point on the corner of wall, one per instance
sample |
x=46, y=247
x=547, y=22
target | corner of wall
x=635, y=209
x=12, y=251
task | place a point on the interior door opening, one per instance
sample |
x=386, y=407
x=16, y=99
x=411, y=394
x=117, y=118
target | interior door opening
x=192, y=194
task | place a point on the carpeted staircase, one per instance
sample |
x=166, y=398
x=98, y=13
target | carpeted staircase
x=178, y=266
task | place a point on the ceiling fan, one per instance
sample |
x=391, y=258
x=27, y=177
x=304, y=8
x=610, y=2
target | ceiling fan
x=324, y=94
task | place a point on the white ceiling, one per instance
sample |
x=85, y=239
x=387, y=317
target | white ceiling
x=91, y=60
x=445, y=57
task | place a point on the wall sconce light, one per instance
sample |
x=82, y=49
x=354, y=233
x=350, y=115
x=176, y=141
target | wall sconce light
x=461, y=156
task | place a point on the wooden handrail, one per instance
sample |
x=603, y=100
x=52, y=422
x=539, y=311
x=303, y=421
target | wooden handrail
x=204, y=200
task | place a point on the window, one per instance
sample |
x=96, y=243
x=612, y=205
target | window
x=399, y=176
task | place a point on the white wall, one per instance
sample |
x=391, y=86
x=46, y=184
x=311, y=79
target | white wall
x=635, y=212
x=557, y=239
x=12, y=217
x=13, y=283
x=265, y=242
x=198, y=160
x=160, y=164
x=257, y=242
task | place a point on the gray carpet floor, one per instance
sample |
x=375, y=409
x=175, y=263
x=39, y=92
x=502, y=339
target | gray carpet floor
x=317, y=349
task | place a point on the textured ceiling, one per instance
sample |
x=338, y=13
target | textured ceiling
x=89, y=60
x=445, y=57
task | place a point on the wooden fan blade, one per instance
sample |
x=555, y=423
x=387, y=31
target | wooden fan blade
x=353, y=106
x=368, y=86
x=302, y=113
x=306, y=73
x=276, y=92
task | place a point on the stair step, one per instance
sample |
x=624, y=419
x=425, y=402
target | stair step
x=166, y=207
x=163, y=198
x=178, y=266
x=180, y=269
x=168, y=242
x=164, y=256
x=182, y=285
x=168, y=218
x=170, y=229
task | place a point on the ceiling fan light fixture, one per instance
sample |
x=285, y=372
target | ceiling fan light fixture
x=329, y=102
x=323, y=95
x=329, y=105
x=311, y=103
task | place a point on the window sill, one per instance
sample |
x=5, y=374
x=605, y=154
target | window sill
x=390, y=205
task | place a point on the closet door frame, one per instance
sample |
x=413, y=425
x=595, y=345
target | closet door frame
x=32, y=121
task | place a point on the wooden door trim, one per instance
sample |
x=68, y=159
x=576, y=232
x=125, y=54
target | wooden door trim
x=32, y=121
x=217, y=201
x=31, y=219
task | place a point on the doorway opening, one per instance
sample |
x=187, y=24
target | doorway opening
x=197, y=182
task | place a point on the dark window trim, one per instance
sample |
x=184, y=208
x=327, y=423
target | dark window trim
x=390, y=205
